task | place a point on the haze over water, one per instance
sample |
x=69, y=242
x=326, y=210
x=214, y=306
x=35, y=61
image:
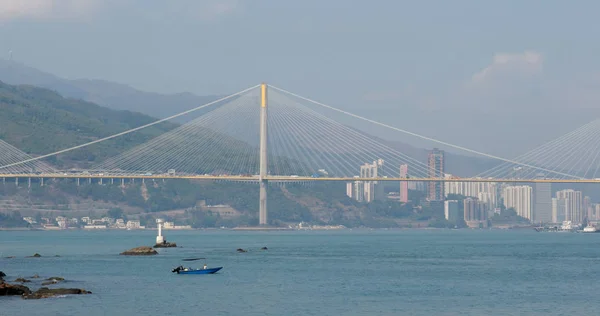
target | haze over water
x=365, y=272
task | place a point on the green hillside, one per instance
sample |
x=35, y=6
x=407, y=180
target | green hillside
x=39, y=121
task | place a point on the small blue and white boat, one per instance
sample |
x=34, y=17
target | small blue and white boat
x=182, y=270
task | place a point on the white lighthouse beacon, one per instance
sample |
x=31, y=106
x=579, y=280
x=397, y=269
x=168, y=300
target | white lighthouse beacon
x=159, y=239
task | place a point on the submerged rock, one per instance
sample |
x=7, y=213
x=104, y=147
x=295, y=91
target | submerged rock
x=35, y=255
x=46, y=293
x=264, y=248
x=35, y=276
x=241, y=250
x=140, y=251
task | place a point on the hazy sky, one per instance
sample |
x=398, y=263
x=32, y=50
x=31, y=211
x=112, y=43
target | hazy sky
x=500, y=76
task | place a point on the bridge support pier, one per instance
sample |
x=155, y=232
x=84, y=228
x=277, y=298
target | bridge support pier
x=41, y=182
x=77, y=181
x=17, y=182
x=262, y=210
x=29, y=182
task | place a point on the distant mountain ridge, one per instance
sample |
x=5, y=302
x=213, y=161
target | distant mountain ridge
x=109, y=94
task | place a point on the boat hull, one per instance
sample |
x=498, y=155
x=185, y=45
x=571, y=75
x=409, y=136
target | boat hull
x=200, y=271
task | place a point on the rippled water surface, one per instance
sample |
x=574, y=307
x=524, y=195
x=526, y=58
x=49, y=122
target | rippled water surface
x=411, y=272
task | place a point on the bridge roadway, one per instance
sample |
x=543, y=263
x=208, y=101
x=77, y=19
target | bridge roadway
x=274, y=178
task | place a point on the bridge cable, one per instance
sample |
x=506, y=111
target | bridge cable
x=418, y=135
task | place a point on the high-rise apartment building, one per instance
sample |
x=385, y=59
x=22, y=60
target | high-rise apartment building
x=573, y=205
x=587, y=207
x=519, y=198
x=436, y=165
x=403, y=184
x=475, y=212
x=559, y=210
x=542, y=202
x=451, y=211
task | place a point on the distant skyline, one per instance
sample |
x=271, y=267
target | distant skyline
x=501, y=78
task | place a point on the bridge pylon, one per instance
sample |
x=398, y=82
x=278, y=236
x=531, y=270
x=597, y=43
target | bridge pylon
x=263, y=172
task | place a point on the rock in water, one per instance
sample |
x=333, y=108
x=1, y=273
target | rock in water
x=52, y=280
x=35, y=255
x=264, y=248
x=241, y=250
x=166, y=245
x=22, y=280
x=46, y=292
x=140, y=251
x=10, y=289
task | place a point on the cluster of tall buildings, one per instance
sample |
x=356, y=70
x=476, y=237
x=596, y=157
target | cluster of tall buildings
x=368, y=191
x=435, y=190
x=534, y=202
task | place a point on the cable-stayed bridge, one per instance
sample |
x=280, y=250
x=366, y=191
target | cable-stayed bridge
x=267, y=134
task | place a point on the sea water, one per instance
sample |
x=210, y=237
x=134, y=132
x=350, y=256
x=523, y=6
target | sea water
x=345, y=272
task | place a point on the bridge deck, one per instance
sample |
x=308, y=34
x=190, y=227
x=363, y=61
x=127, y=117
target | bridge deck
x=283, y=178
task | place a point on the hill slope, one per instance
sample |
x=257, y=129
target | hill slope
x=112, y=95
x=39, y=121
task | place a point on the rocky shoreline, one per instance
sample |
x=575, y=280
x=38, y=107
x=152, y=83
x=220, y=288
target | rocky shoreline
x=7, y=289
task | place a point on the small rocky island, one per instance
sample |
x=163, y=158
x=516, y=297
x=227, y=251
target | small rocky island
x=140, y=251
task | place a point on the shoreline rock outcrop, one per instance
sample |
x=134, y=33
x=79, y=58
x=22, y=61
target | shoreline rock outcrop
x=13, y=289
x=140, y=251
x=25, y=292
x=166, y=244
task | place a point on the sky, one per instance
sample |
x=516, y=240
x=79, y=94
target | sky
x=496, y=76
